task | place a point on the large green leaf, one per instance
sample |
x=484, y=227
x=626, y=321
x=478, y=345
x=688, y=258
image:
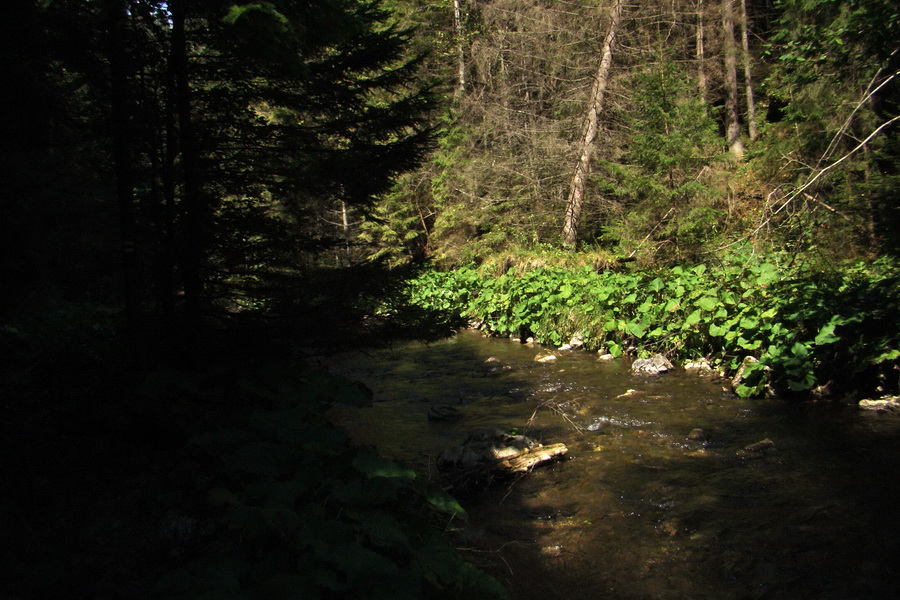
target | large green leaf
x=445, y=502
x=635, y=329
x=372, y=465
x=799, y=350
x=708, y=303
x=826, y=335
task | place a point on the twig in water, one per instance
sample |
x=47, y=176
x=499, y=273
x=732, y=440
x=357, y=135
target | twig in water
x=497, y=552
x=554, y=407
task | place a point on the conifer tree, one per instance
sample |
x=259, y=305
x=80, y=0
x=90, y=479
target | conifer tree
x=662, y=200
x=836, y=72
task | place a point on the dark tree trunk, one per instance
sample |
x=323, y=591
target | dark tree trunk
x=732, y=114
x=192, y=247
x=122, y=155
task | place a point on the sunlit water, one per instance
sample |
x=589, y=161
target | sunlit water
x=639, y=510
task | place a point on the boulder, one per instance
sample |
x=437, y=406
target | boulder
x=575, y=343
x=652, y=366
x=739, y=374
x=545, y=357
x=700, y=366
x=577, y=340
x=888, y=404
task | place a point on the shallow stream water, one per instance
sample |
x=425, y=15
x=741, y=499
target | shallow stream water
x=639, y=510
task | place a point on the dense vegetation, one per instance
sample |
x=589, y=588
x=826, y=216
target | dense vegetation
x=200, y=192
x=811, y=329
x=772, y=121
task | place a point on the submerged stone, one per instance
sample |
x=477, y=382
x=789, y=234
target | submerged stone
x=757, y=449
x=443, y=413
x=698, y=435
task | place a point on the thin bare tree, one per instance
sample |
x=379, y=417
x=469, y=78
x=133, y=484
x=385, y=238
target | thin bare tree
x=460, y=48
x=575, y=202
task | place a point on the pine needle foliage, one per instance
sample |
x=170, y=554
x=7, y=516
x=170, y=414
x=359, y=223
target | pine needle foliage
x=662, y=203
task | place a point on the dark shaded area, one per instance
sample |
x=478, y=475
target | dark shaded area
x=109, y=470
x=168, y=270
x=859, y=361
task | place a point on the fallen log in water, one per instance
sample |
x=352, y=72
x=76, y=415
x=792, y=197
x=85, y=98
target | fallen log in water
x=486, y=455
x=529, y=459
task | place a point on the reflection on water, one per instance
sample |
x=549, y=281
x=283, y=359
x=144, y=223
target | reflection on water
x=646, y=507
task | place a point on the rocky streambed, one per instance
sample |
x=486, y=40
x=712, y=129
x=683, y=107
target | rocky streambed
x=671, y=486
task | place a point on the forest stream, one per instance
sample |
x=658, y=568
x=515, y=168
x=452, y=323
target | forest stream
x=642, y=508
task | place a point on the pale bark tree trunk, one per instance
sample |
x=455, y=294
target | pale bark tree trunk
x=345, y=226
x=748, y=81
x=732, y=114
x=460, y=49
x=700, y=53
x=575, y=202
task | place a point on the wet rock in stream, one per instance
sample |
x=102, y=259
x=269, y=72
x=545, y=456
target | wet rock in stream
x=698, y=435
x=700, y=366
x=488, y=453
x=652, y=366
x=443, y=413
x=888, y=404
x=546, y=357
x=757, y=449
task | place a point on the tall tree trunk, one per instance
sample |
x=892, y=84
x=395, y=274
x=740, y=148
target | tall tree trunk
x=192, y=199
x=748, y=80
x=460, y=49
x=169, y=209
x=120, y=130
x=700, y=52
x=345, y=226
x=575, y=202
x=732, y=114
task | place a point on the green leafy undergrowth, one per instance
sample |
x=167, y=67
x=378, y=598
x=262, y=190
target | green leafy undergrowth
x=297, y=511
x=808, y=326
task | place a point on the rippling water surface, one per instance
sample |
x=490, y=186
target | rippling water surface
x=639, y=509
